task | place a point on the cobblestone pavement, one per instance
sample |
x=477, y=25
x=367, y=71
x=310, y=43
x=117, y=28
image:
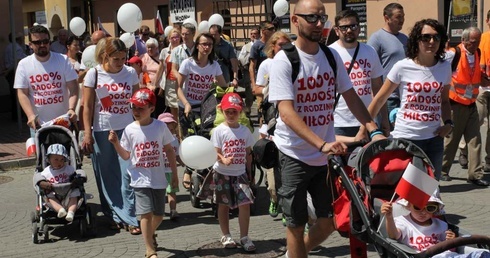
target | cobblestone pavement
x=467, y=206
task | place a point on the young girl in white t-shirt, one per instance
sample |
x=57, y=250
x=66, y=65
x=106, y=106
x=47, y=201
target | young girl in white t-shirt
x=228, y=183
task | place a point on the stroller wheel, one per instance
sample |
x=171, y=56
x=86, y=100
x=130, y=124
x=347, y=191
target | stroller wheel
x=195, y=187
x=46, y=232
x=90, y=217
x=83, y=227
x=35, y=236
x=34, y=217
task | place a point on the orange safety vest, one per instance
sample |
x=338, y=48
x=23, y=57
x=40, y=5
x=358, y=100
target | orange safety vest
x=462, y=79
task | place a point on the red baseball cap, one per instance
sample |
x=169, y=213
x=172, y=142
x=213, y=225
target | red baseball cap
x=135, y=60
x=143, y=97
x=232, y=100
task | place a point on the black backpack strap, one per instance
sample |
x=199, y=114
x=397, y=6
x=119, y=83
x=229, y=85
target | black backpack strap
x=293, y=56
x=333, y=64
x=457, y=56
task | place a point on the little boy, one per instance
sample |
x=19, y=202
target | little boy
x=58, y=172
x=421, y=230
x=169, y=120
x=137, y=64
x=143, y=141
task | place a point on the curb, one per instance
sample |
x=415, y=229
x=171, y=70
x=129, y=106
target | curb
x=17, y=163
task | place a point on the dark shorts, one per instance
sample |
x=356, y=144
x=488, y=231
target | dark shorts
x=347, y=131
x=149, y=200
x=297, y=179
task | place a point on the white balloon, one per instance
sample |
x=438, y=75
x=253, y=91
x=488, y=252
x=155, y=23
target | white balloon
x=190, y=21
x=197, y=152
x=216, y=19
x=129, y=17
x=77, y=26
x=203, y=27
x=128, y=39
x=88, y=57
x=281, y=7
x=167, y=30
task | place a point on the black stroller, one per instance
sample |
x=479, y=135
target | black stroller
x=379, y=166
x=202, y=125
x=44, y=216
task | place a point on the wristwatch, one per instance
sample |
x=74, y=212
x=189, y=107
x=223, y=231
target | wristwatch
x=449, y=122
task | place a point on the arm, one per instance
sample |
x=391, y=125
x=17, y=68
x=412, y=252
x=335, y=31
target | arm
x=88, y=112
x=169, y=151
x=445, y=129
x=251, y=71
x=391, y=229
x=220, y=79
x=376, y=84
x=124, y=154
x=180, y=93
x=234, y=67
x=81, y=75
x=294, y=121
x=175, y=69
x=222, y=159
x=248, y=165
x=161, y=68
x=73, y=99
x=25, y=103
x=356, y=106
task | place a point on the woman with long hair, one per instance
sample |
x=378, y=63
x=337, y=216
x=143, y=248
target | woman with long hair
x=423, y=78
x=119, y=81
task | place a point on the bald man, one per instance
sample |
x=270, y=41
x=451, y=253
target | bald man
x=59, y=46
x=96, y=36
x=304, y=131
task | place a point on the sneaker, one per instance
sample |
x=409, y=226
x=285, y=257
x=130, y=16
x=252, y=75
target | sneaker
x=446, y=178
x=273, y=209
x=247, y=244
x=283, y=221
x=463, y=161
x=228, y=242
x=61, y=213
x=174, y=215
x=69, y=216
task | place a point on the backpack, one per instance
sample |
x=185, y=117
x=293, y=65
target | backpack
x=457, y=56
x=269, y=110
x=265, y=153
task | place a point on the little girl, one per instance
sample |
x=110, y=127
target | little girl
x=229, y=180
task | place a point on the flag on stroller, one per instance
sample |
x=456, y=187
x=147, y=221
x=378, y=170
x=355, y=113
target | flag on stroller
x=30, y=146
x=105, y=98
x=416, y=186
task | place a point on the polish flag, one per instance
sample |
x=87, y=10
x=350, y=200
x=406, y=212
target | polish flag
x=30, y=146
x=416, y=186
x=105, y=98
x=158, y=23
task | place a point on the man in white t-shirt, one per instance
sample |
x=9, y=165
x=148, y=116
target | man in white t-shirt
x=304, y=131
x=46, y=82
x=364, y=69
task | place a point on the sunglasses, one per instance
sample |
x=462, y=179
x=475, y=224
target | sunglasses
x=40, y=42
x=270, y=28
x=428, y=37
x=344, y=28
x=430, y=208
x=313, y=18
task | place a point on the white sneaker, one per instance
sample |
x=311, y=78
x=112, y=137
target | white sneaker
x=69, y=216
x=61, y=213
x=228, y=242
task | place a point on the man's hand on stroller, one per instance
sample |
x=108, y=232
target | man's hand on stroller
x=46, y=186
x=187, y=109
x=33, y=121
x=333, y=148
x=73, y=116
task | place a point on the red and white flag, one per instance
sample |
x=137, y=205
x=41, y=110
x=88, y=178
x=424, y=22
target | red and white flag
x=30, y=146
x=105, y=98
x=158, y=23
x=416, y=186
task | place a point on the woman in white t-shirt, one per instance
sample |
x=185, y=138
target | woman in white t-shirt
x=118, y=82
x=423, y=78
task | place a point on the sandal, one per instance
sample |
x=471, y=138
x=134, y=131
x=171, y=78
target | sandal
x=134, y=230
x=151, y=255
x=228, y=242
x=247, y=244
x=114, y=225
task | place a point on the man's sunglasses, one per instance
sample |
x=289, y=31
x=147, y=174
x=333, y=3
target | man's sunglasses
x=430, y=208
x=428, y=37
x=39, y=42
x=344, y=28
x=313, y=18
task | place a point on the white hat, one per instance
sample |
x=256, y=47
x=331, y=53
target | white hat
x=57, y=149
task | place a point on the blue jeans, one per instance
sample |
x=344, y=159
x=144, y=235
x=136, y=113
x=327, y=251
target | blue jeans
x=434, y=149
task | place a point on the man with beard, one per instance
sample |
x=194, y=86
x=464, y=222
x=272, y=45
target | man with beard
x=304, y=131
x=46, y=82
x=391, y=45
x=363, y=67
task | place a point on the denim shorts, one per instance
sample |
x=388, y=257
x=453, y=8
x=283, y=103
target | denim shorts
x=297, y=179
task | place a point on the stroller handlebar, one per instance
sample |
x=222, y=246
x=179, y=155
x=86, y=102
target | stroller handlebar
x=452, y=243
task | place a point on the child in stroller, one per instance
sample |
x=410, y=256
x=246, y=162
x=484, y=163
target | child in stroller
x=61, y=196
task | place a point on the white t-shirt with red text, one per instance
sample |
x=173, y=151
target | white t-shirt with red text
x=175, y=145
x=198, y=79
x=46, y=82
x=420, y=88
x=146, y=143
x=419, y=237
x=233, y=142
x=366, y=66
x=313, y=94
x=120, y=86
x=58, y=176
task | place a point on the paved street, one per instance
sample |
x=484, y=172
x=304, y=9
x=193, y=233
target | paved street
x=467, y=206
